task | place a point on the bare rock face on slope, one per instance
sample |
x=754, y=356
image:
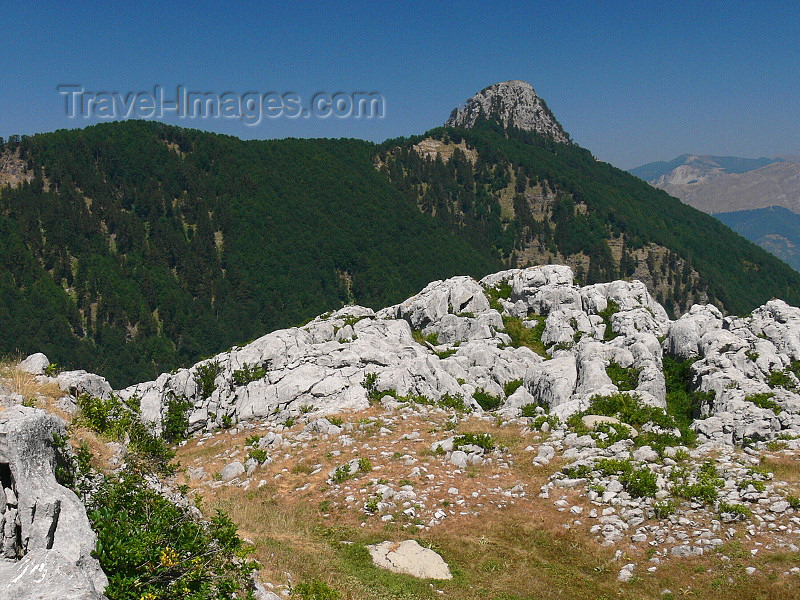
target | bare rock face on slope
x=512, y=102
x=46, y=542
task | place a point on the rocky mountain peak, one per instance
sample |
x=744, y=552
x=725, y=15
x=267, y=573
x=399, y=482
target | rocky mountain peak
x=512, y=102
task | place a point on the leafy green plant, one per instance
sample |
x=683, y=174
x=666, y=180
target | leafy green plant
x=370, y=384
x=454, y=402
x=420, y=338
x=487, y=401
x=551, y=420
x=150, y=547
x=704, y=488
x=364, y=465
x=577, y=472
x=612, y=308
x=528, y=410
x=371, y=505
x=664, y=509
x=247, y=374
x=529, y=337
x=738, y=510
x=315, y=590
x=793, y=501
x=764, y=400
x=342, y=473
x=501, y=290
x=638, y=482
x=258, y=454
x=52, y=370
x=512, y=386
x=783, y=379
x=205, y=375
x=176, y=419
x=335, y=420
x=484, y=440
x=625, y=378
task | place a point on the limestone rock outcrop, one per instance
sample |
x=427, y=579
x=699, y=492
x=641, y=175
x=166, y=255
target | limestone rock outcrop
x=512, y=102
x=46, y=543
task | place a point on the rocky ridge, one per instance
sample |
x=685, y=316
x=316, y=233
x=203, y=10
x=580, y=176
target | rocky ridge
x=339, y=360
x=512, y=102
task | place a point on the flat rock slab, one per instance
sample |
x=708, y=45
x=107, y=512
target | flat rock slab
x=409, y=558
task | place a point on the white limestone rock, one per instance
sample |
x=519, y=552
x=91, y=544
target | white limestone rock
x=409, y=558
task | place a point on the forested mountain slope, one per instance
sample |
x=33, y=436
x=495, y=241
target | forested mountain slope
x=132, y=248
x=539, y=201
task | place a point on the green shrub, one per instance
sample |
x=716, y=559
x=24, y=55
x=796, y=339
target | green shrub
x=486, y=400
x=738, y=510
x=119, y=421
x=764, y=400
x=454, y=402
x=664, y=509
x=625, y=378
x=52, y=370
x=501, y=290
x=370, y=384
x=529, y=410
x=484, y=440
x=793, y=501
x=421, y=338
x=149, y=547
x=577, y=472
x=781, y=379
x=315, y=590
x=176, y=420
x=611, y=309
x=247, y=374
x=553, y=420
x=205, y=375
x=759, y=486
x=364, y=465
x=512, y=386
x=638, y=482
x=259, y=454
x=334, y=420
x=342, y=473
x=705, y=487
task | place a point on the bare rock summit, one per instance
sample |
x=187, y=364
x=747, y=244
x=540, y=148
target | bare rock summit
x=512, y=103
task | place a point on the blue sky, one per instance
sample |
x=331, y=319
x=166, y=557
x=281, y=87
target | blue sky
x=632, y=82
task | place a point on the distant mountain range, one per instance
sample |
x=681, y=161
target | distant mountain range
x=132, y=248
x=757, y=197
x=775, y=229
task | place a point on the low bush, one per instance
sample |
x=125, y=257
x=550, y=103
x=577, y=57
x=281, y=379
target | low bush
x=315, y=590
x=247, y=374
x=486, y=400
x=205, y=376
x=484, y=440
x=151, y=548
x=764, y=400
x=625, y=378
x=512, y=386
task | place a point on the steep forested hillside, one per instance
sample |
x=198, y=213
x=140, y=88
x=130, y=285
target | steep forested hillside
x=539, y=201
x=132, y=248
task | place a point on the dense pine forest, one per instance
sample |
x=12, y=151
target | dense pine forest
x=132, y=248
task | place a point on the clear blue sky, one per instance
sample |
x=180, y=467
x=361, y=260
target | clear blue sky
x=633, y=83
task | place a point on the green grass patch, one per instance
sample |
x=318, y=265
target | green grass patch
x=530, y=337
